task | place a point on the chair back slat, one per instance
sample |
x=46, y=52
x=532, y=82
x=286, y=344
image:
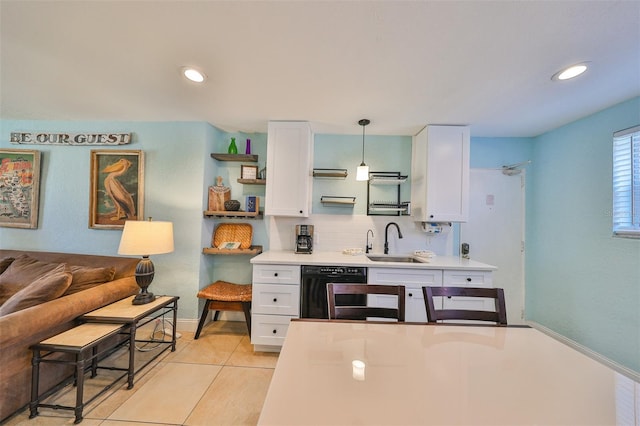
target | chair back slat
x=499, y=316
x=363, y=312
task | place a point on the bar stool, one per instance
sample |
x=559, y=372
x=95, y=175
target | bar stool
x=225, y=296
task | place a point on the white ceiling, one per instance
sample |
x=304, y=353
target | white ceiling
x=402, y=64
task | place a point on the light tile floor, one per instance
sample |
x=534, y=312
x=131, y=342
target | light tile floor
x=215, y=380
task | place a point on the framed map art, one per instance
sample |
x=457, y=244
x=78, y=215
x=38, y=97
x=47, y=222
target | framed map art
x=19, y=188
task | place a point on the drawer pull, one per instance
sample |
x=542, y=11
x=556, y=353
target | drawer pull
x=275, y=331
x=275, y=299
x=468, y=279
x=410, y=294
x=275, y=274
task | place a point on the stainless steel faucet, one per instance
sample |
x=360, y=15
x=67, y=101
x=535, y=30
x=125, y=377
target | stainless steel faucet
x=386, y=236
x=369, y=246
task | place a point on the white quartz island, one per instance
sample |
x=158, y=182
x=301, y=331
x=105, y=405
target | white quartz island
x=278, y=279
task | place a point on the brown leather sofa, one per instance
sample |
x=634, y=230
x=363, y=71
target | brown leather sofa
x=19, y=330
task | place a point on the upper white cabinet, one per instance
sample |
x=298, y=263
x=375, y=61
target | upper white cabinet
x=289, y=162
x=440, y=174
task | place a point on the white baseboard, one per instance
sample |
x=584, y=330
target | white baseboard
x=634, y=375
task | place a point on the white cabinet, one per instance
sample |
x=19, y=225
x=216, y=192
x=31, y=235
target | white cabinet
x=468, y=278
x=275, y=300
x=413, y=280
x=440, y=174
x=289, y=165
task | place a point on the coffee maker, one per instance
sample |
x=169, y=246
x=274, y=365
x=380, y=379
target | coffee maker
x=304, y=239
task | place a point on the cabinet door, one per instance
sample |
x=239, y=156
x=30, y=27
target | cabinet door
x=440, y=174
x=413, y=280
x=481, y=279
x=288, y=186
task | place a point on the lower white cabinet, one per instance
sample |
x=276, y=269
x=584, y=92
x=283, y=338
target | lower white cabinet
x=468, y=279
x=275, y=300
x=413, y=280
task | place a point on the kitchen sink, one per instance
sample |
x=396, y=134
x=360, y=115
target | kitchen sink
x=386, y=258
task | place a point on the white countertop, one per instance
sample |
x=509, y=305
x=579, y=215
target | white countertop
x=331, y=258
x=419, y=374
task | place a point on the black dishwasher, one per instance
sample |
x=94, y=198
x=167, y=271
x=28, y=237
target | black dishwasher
x=313, y=291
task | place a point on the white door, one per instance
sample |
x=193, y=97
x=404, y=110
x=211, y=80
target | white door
x=495, y=232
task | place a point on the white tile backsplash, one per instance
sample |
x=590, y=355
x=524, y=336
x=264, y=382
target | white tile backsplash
x=337, y=232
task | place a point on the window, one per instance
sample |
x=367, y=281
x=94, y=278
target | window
x=626, y=183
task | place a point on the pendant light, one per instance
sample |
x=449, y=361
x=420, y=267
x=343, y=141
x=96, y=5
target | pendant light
x=362, y=172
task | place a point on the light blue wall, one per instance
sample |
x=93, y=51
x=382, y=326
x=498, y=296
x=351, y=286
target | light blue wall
x=175, y=155
x=582, y=282
x=381, y=154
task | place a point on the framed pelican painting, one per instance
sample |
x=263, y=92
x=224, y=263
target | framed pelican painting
x=117, y=188
x=19, y=188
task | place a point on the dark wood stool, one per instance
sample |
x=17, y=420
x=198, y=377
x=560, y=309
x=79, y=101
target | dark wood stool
x=224, y=296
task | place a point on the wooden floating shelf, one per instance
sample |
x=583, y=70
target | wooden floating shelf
x=233, y=214
x=252, y=158
x=253, y=181
x=215, y=250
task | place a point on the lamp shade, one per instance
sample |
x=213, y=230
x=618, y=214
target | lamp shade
x=146, y=237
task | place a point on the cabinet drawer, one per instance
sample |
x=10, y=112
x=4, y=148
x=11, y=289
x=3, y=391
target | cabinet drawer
x=467, y=279
x=269, y=329
x=276, y=274
x=275, y=299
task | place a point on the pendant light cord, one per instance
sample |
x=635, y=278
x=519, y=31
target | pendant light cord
x=363, y=123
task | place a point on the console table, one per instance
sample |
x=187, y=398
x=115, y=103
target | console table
x=98, y=327
x=135, y=316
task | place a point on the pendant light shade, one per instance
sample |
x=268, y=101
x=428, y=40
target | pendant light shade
x=362, y=173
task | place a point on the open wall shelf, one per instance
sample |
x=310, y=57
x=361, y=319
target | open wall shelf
x=215, y=250
x=330, y=173
x=338, y=201
x=233, y=214
x=249, y=158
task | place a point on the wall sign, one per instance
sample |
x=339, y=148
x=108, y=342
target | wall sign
x=52, y=138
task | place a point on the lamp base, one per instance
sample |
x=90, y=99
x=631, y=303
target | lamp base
x=144, y=275
x=143, y=298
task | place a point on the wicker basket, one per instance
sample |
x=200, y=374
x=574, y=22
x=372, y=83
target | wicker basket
x=233, y=232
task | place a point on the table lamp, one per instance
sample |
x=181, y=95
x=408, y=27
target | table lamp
x=144, y=238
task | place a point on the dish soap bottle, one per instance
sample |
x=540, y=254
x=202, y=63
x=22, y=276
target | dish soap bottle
x=233, y=149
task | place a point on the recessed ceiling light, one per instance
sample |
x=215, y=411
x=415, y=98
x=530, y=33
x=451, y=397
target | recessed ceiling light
x=193, y=74
x=570, y=72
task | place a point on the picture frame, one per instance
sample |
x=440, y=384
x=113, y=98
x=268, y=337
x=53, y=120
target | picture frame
x=252, y=204
x=117, y=188
x=19, y=188
x=249, y=172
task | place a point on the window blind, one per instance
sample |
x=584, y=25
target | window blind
x=626, y=183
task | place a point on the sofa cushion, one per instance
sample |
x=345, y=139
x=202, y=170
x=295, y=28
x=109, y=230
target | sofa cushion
x=23, y=271
x=49, y=286
x=4, y=263
x=85, y=277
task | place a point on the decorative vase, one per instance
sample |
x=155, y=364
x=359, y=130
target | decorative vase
x=232, y=205
x=247, y=150
x=233, y=149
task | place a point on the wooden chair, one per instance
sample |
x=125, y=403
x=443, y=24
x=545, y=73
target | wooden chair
x=434, y=315
x=225, y=296
x=362, y=312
